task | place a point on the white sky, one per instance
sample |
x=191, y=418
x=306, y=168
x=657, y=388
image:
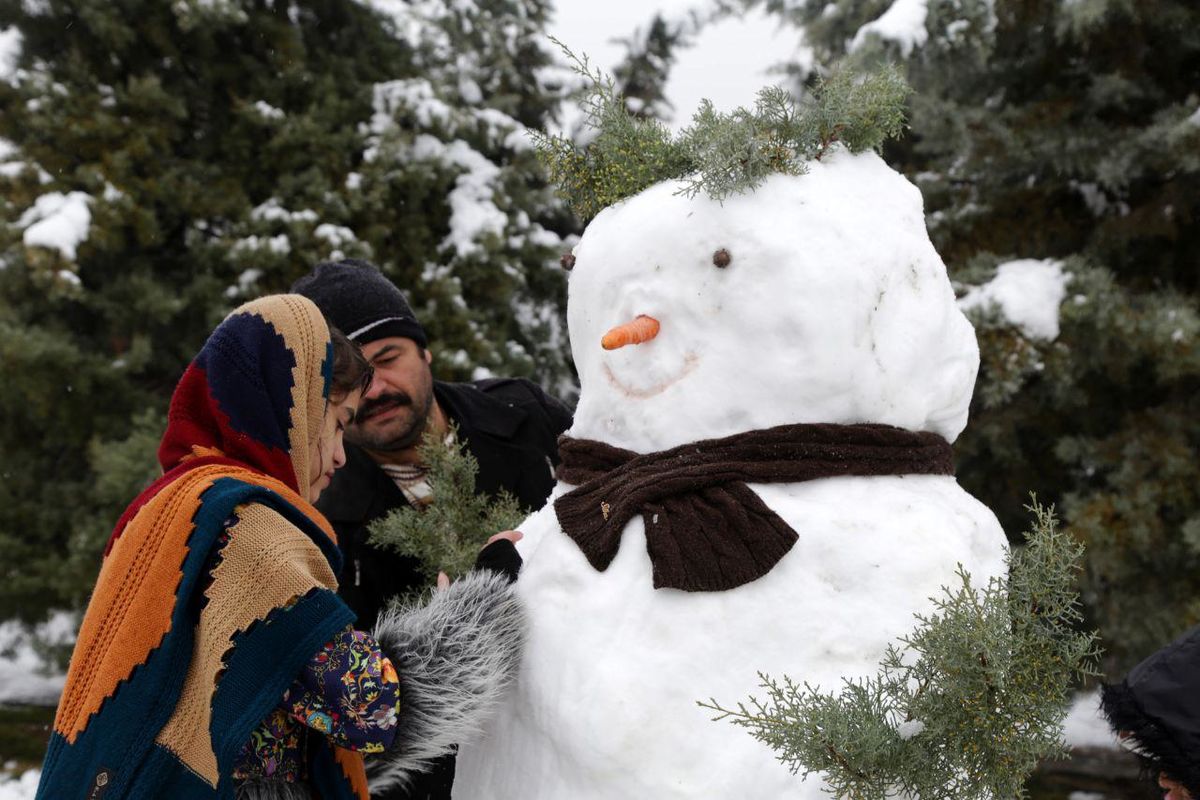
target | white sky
x=728, y=62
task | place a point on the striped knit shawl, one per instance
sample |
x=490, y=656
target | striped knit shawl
x=218, y=584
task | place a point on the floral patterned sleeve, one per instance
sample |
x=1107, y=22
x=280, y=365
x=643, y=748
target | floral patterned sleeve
x=349, y=692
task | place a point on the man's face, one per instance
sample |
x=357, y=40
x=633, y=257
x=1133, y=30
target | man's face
x=396, y=407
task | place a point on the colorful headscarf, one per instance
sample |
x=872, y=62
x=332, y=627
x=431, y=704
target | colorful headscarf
x=218, y=583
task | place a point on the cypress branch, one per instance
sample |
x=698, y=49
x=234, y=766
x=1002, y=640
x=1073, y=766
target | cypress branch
x=447, y=535
x=718, y=154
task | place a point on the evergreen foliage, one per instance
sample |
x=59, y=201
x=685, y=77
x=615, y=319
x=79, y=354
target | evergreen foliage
x=967, y=704
x=446, y=536
x=627, y=154
x=221, y=148
x=1068, y=130
x=719, y=154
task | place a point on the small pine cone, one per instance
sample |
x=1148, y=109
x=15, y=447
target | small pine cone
x=567, y=261
x=721, y=258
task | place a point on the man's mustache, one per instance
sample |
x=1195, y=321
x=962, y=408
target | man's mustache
x=383, y=403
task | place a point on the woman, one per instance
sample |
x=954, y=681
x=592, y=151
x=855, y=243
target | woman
x=215, y=659
x=1156, y=713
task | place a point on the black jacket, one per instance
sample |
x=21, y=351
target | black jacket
x=1159, y=704
x=511, y=427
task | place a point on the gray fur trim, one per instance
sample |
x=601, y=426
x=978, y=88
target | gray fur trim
x=272, y=790
x=456, y=657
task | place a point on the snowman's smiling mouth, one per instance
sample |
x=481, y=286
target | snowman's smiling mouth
x=690, y=361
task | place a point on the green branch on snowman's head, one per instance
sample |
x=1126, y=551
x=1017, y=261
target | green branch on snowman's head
x=718, y=154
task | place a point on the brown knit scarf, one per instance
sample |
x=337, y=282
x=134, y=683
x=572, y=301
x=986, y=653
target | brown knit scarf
x=706, y=530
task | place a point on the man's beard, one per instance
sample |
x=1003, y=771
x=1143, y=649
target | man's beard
x=391, y=438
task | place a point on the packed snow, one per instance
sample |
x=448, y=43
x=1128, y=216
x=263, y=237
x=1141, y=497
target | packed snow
x=816, y=320
x=903, y=23
x=58, y=221
x=1027, y=292
x=834, y=307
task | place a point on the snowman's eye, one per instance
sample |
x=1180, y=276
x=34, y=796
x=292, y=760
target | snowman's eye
x=721, y=258
x=567, y=261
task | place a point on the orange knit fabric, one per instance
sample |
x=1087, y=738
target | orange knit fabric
x=130, y=611
x=354, y=770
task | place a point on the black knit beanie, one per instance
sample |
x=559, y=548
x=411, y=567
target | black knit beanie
x=357, y=299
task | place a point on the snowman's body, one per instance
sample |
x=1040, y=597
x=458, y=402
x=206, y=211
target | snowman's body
x=812, y=321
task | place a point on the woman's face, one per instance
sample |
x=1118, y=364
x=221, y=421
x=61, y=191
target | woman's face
x=328, y=453
x=1174, y=789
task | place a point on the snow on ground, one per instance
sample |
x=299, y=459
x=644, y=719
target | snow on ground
x=58, y=221
x=24, y=678
x=1084, y=726
x=20, y=788
x=1028, y=293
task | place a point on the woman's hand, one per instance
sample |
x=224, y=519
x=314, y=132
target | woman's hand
x=503, y=558
x=512, y=536
x=500, y=554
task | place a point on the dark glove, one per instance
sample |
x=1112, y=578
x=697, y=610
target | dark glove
x=500, y=556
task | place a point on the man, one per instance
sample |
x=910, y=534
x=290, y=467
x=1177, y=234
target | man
x=510, y=426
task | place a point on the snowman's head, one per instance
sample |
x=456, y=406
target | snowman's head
x=814, y=298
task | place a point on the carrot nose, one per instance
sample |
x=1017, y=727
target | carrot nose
x=641, y=329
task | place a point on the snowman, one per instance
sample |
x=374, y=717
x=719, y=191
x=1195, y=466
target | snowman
x=757, y=479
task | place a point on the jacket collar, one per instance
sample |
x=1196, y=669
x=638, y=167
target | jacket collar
x=474, y=411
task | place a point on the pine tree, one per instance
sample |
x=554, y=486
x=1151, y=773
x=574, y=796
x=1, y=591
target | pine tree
x=451, y=192
x=209, y=151
x=1068, y=130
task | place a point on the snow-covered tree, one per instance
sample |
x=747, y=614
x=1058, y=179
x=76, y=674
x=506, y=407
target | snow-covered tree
x=1067, y=133
x=162, y=162
x=641, y=77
